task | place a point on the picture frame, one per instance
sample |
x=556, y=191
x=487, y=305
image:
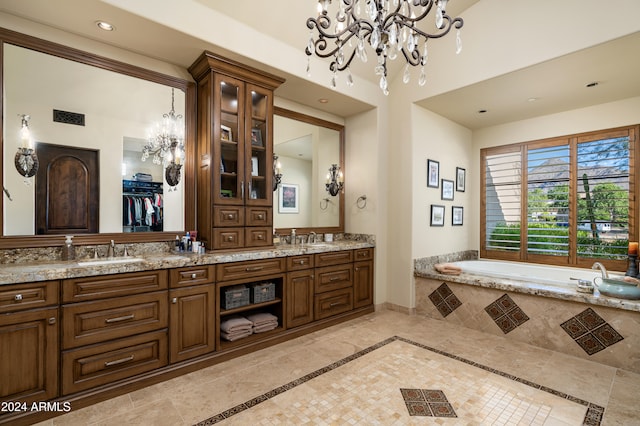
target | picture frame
x=437, y=215
x=225, y=133
x=461, y=175
x=447, y=190
x=457, y=214
x=256, y=137
x=288, y=196
x=433, y=173
x=254, y=166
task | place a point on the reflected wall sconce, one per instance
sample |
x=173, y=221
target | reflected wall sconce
x=277, y=172
x=26, y=160
x=166, y=144
x=335, y=180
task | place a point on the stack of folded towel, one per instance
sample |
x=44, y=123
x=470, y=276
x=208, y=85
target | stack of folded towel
x=447, y=268
x=263, y=321
x=235, y=327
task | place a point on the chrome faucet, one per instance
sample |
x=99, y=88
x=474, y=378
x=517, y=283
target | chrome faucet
x=312, y=237
x=111, y=251
x=293, y=235
x=600, y=266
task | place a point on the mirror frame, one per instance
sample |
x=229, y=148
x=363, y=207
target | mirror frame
x=330, y=125
x=70, y=53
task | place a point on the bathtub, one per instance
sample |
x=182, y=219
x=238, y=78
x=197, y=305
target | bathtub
x=531, y=273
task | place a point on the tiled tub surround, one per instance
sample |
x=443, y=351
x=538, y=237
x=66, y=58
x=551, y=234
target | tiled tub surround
x=31, y=265
x=589, y=326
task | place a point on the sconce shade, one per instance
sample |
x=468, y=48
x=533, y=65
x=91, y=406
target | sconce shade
x=26, y=162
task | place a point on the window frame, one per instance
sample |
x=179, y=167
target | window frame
x=572, y=259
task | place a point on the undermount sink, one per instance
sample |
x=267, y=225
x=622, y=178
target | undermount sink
x=115, y=260
x=319, y=244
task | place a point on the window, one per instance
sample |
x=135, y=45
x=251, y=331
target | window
x=565, y=201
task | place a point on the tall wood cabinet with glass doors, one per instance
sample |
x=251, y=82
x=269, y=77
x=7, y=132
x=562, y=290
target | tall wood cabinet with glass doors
x=235, y=153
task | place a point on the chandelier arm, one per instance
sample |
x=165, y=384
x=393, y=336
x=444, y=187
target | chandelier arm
x=335, y=67
x=412, y=59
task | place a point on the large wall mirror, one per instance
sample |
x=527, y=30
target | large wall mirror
x=306, y=148
x=81, y=103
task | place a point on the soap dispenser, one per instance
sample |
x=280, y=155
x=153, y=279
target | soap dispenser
x=68, y=251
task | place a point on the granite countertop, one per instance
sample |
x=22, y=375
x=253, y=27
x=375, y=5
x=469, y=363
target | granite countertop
x=538, y=289
x=42, y=271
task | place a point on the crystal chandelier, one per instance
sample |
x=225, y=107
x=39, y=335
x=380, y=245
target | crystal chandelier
x=166, y=144
x=388, y=26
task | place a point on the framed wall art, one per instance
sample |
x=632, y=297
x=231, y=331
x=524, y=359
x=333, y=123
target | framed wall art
x=437, y=215
x=456, y=215
x=461, y=175
x=447, y=190
x=433, y=173
x=288, y=198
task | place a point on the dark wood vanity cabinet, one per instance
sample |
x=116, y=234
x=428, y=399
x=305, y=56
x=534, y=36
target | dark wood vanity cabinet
x=29, y=349
x=192, y=319
x=115, y=327
x=234, y=153
x=363, y=274
x=300, y=290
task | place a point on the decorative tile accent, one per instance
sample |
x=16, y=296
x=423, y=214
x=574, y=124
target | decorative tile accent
x=590, y=331
x=427, y=402
x=436, y=400
x=444, y=300
x=506, y=314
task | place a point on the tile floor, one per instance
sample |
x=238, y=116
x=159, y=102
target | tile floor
x=386, y=368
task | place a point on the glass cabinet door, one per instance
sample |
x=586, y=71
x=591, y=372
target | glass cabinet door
x=258, y=147
x=229, y=140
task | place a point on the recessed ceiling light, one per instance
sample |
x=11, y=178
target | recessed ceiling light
x=323, y=101
x=482, y=111
x=592, y=84
x=532, y=99
x=104, y=25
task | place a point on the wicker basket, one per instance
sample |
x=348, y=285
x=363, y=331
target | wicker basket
x=263, y=292
x=236, y=296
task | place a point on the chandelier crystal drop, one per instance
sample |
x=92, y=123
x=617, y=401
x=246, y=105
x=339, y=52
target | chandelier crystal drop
x=389, y=27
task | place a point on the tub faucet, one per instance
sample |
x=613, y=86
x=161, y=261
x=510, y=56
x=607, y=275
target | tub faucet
x=600, y=266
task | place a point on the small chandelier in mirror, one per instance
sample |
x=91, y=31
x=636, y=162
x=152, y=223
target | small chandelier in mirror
x=26, y=160
x=277, y=172
x=335, y=180
x=166, y=144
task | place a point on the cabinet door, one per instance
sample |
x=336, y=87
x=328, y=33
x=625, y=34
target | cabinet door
x=362, y=283
x=29, y=352
x=300, y=298
x=192, y=327
x=228, y=141
x=258, y=146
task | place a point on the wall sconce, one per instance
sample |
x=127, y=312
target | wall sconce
x=172, y=174
x=26, y=161
x=277, y=172
x=335, y=180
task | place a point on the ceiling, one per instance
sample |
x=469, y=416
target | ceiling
x=556, y=85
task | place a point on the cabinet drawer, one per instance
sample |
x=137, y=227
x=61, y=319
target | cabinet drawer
x=249, y=269
x=334, y=258
x=16, y=297
x=332, y=278
x=363, y=254
x=228, y=238
x=99, y=321
x=105, y=286
x=296, y=263
x=229, y=216
x=259, y=216
x=332, y=303
x=192, y=275
x=258, y=237
x=97, y=365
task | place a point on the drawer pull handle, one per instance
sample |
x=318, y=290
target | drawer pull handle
x=362, y=254
x=260, y=217
x=193, y=276
x=229, y=238
x=119, y=319
x=253, y=269
x=174, y=300
x=334, y=279
x=259, y=237
x=229, y=216
x=334, y=304
x=52, y=320
x=301, y=262
x=17, y=297
x=118, y=361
